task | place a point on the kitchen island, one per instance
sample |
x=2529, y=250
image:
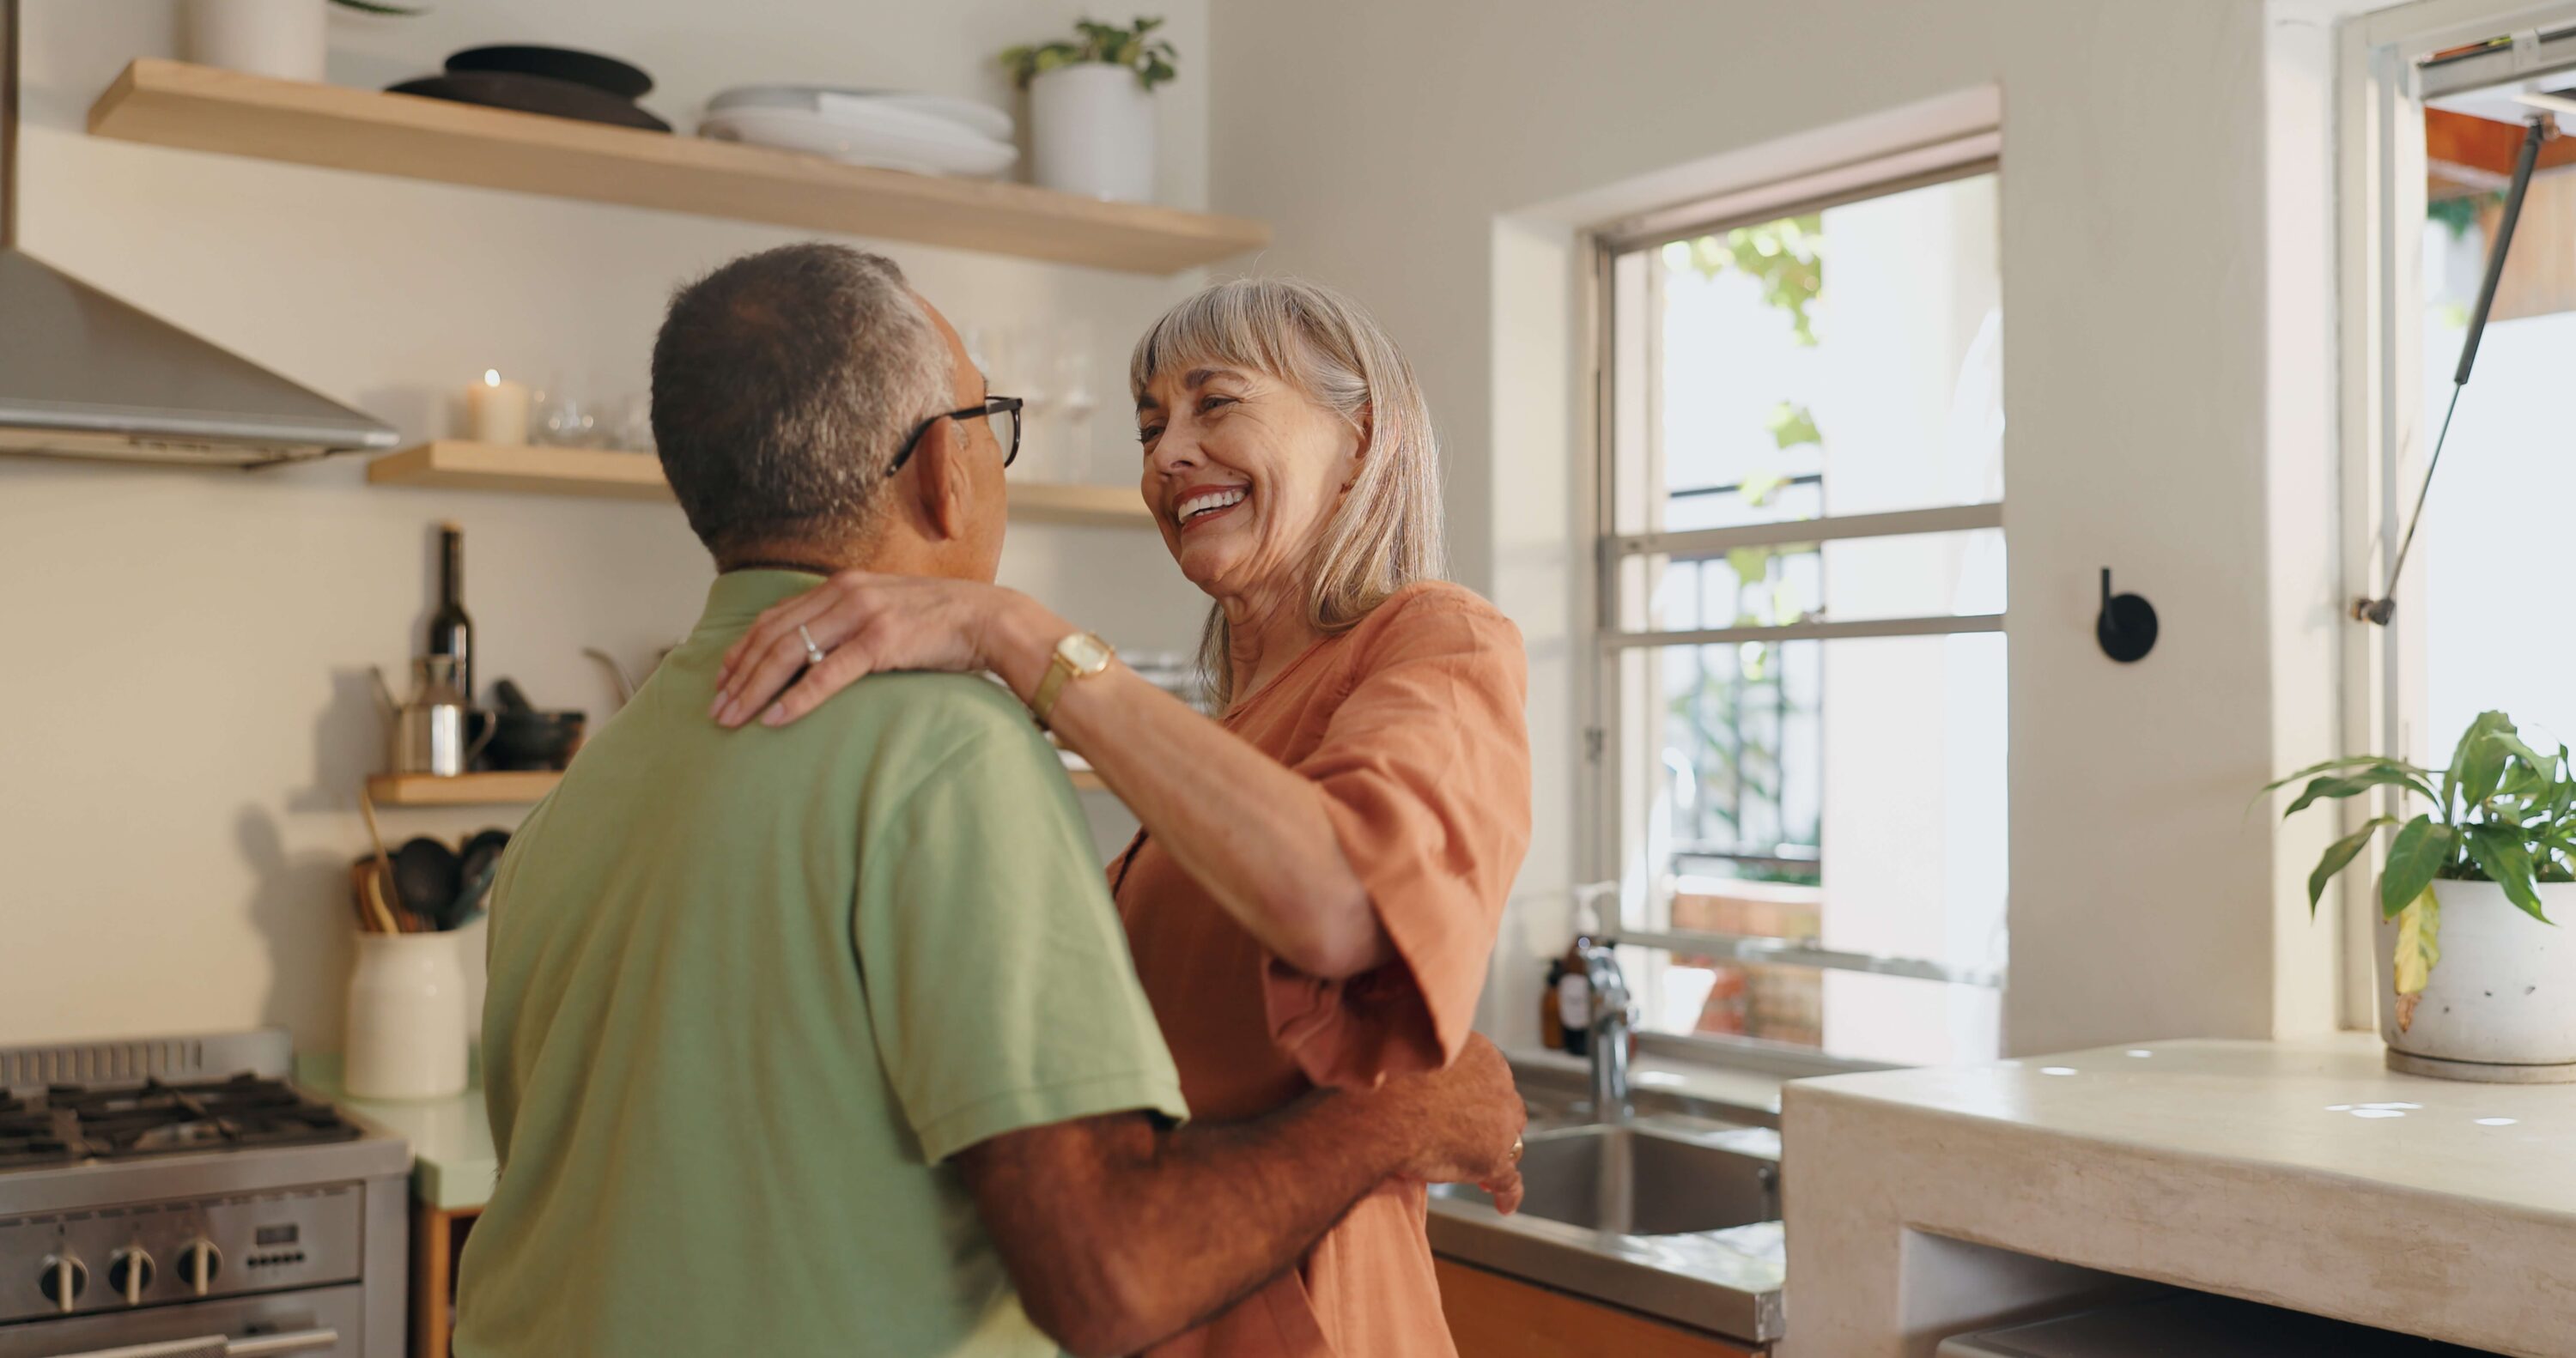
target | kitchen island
x=2299, y=1173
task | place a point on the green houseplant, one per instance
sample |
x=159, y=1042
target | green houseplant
x=2500, y=832
x=1091, y=108
x=1132, y=47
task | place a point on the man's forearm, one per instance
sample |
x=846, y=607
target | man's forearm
x=1221, y=1209
x=1145, y=1232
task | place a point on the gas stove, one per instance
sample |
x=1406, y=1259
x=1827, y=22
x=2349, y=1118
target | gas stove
x=183, y=1189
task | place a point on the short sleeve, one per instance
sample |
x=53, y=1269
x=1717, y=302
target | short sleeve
x=1426, y=774
x=998, y=979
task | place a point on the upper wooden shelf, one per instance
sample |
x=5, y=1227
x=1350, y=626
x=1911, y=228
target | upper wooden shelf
x=463, y=789
x=455, y=464
x=201, y=108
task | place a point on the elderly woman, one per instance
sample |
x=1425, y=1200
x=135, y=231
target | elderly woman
x=1322, y=868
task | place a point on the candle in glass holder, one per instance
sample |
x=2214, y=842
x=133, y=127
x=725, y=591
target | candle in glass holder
x=496, y=411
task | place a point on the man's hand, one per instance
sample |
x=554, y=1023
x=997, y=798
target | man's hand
x=1463, y=1122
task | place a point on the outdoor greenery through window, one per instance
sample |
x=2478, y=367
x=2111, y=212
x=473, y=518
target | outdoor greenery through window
x=1802, y=703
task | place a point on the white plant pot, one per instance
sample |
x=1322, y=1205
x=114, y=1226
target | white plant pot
x=282, y=38
x=2500, y=1004
x=407, y=1017
x=1091, y=132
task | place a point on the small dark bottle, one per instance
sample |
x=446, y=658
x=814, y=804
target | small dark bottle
x=450, y=631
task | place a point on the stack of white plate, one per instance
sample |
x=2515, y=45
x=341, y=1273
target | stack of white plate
x=925, y=133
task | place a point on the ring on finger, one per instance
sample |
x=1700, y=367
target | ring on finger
x=813, y=653
x=1517, y=1147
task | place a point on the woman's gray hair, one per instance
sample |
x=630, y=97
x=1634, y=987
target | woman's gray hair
x=1386, y=534
x=783, y=382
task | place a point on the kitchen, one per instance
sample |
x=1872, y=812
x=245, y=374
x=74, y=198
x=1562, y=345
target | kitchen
x=183, y=797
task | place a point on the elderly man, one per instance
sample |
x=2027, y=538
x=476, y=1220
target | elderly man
x=827, y=1041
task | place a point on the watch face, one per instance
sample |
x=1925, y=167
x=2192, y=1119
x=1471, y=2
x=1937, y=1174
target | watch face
x=1086, y=653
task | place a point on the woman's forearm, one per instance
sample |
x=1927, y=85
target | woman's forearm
x=1250, y=830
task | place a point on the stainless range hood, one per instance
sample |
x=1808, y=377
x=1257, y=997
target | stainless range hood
x=85, y=375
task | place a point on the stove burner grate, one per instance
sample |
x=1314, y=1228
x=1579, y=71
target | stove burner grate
x=68, y=1123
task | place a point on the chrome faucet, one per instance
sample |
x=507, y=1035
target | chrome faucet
x=1613, y=1014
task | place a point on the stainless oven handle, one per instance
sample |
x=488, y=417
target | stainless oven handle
x=261, y=1346
x=275, y=1345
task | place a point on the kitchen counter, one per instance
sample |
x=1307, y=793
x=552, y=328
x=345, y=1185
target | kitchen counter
x=2299, y=1173
x=453, y=1163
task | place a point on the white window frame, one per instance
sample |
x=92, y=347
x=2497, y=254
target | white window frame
x=1605, y=847
x=2380, y=182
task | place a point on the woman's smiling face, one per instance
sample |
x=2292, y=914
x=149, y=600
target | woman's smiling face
x=1243, y=472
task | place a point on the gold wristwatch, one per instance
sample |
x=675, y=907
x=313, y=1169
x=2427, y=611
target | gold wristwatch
x=1079, y=656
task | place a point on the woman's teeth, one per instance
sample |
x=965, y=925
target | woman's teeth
x=1208, y=504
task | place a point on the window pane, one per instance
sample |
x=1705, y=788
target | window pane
x=1919, y=575
x=1847, y=1014
x=1843, y=362
x=2498, y=512
x=1850, y=792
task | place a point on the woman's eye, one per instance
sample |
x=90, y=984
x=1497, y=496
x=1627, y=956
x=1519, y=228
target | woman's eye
x=1211, y=402
x=1149, y=433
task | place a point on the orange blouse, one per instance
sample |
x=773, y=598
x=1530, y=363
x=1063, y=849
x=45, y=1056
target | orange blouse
x=1413, y=725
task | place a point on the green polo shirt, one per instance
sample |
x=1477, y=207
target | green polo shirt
x=750, y=989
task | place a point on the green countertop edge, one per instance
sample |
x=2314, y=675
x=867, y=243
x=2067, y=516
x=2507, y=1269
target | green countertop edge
x=453, y=1163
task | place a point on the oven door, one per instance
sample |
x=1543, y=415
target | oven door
x=322, y=1322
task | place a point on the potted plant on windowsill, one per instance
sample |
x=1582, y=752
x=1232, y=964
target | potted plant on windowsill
x=1091, y=108
x=2476, y=981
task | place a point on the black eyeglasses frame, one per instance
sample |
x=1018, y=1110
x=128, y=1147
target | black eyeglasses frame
x=993, y=405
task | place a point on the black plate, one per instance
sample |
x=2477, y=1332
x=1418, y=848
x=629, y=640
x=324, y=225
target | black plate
x=531, y=94
x=558, y=63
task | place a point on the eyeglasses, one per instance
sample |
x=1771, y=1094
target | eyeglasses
x=1003, y=411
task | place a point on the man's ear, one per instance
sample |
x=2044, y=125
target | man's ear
x=940, y=480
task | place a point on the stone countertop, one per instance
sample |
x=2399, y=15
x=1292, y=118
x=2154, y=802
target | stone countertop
x=453, y=1163
x=2301, y=1173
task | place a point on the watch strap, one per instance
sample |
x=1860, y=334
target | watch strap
x=1050, y=688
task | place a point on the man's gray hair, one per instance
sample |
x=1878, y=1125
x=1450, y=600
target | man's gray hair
x=783, y=383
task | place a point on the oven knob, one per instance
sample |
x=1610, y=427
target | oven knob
x=63, y=1280
x=129, y=1271
x=198, y=1263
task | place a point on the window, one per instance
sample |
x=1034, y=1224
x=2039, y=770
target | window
x=2441, y=111
x=1799, y=725
x=2498, y=511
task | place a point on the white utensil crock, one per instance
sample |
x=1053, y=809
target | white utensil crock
x=1091, y=132
x=282, y=38
x=407, y=1017
x=2500, y=1003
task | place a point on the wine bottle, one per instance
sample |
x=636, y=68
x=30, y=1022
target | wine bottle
x=451, y=633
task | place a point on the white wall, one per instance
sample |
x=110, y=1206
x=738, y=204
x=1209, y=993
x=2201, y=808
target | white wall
x=183, y=652
x=1400, y=151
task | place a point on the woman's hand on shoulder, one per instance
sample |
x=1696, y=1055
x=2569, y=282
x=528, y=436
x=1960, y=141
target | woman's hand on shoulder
x=864, y=624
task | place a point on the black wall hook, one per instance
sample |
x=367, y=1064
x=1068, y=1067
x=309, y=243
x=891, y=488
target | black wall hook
x=2127, y=625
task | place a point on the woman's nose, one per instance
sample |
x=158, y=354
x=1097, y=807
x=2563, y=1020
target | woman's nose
x=1176, y=450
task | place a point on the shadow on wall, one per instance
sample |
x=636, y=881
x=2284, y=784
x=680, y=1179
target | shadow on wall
x=348, y=740
x=300, y=905
x=419, y=412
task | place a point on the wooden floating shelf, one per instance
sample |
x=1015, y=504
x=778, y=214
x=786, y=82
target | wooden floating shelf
x=1086, y=506
x=455, y=464
x=463, y=789
x=201, y=108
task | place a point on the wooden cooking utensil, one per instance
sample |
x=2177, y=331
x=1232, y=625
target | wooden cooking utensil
x=367, y=810
x=367, y=880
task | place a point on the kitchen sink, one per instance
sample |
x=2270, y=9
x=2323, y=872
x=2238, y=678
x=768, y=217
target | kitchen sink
x=1675, y=1216
x=1640, y=1182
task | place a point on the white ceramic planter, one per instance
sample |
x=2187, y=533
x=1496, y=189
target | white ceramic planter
x=282, y=38
x=1091, y=132
x=2500, y=1004
x=407, y=1017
